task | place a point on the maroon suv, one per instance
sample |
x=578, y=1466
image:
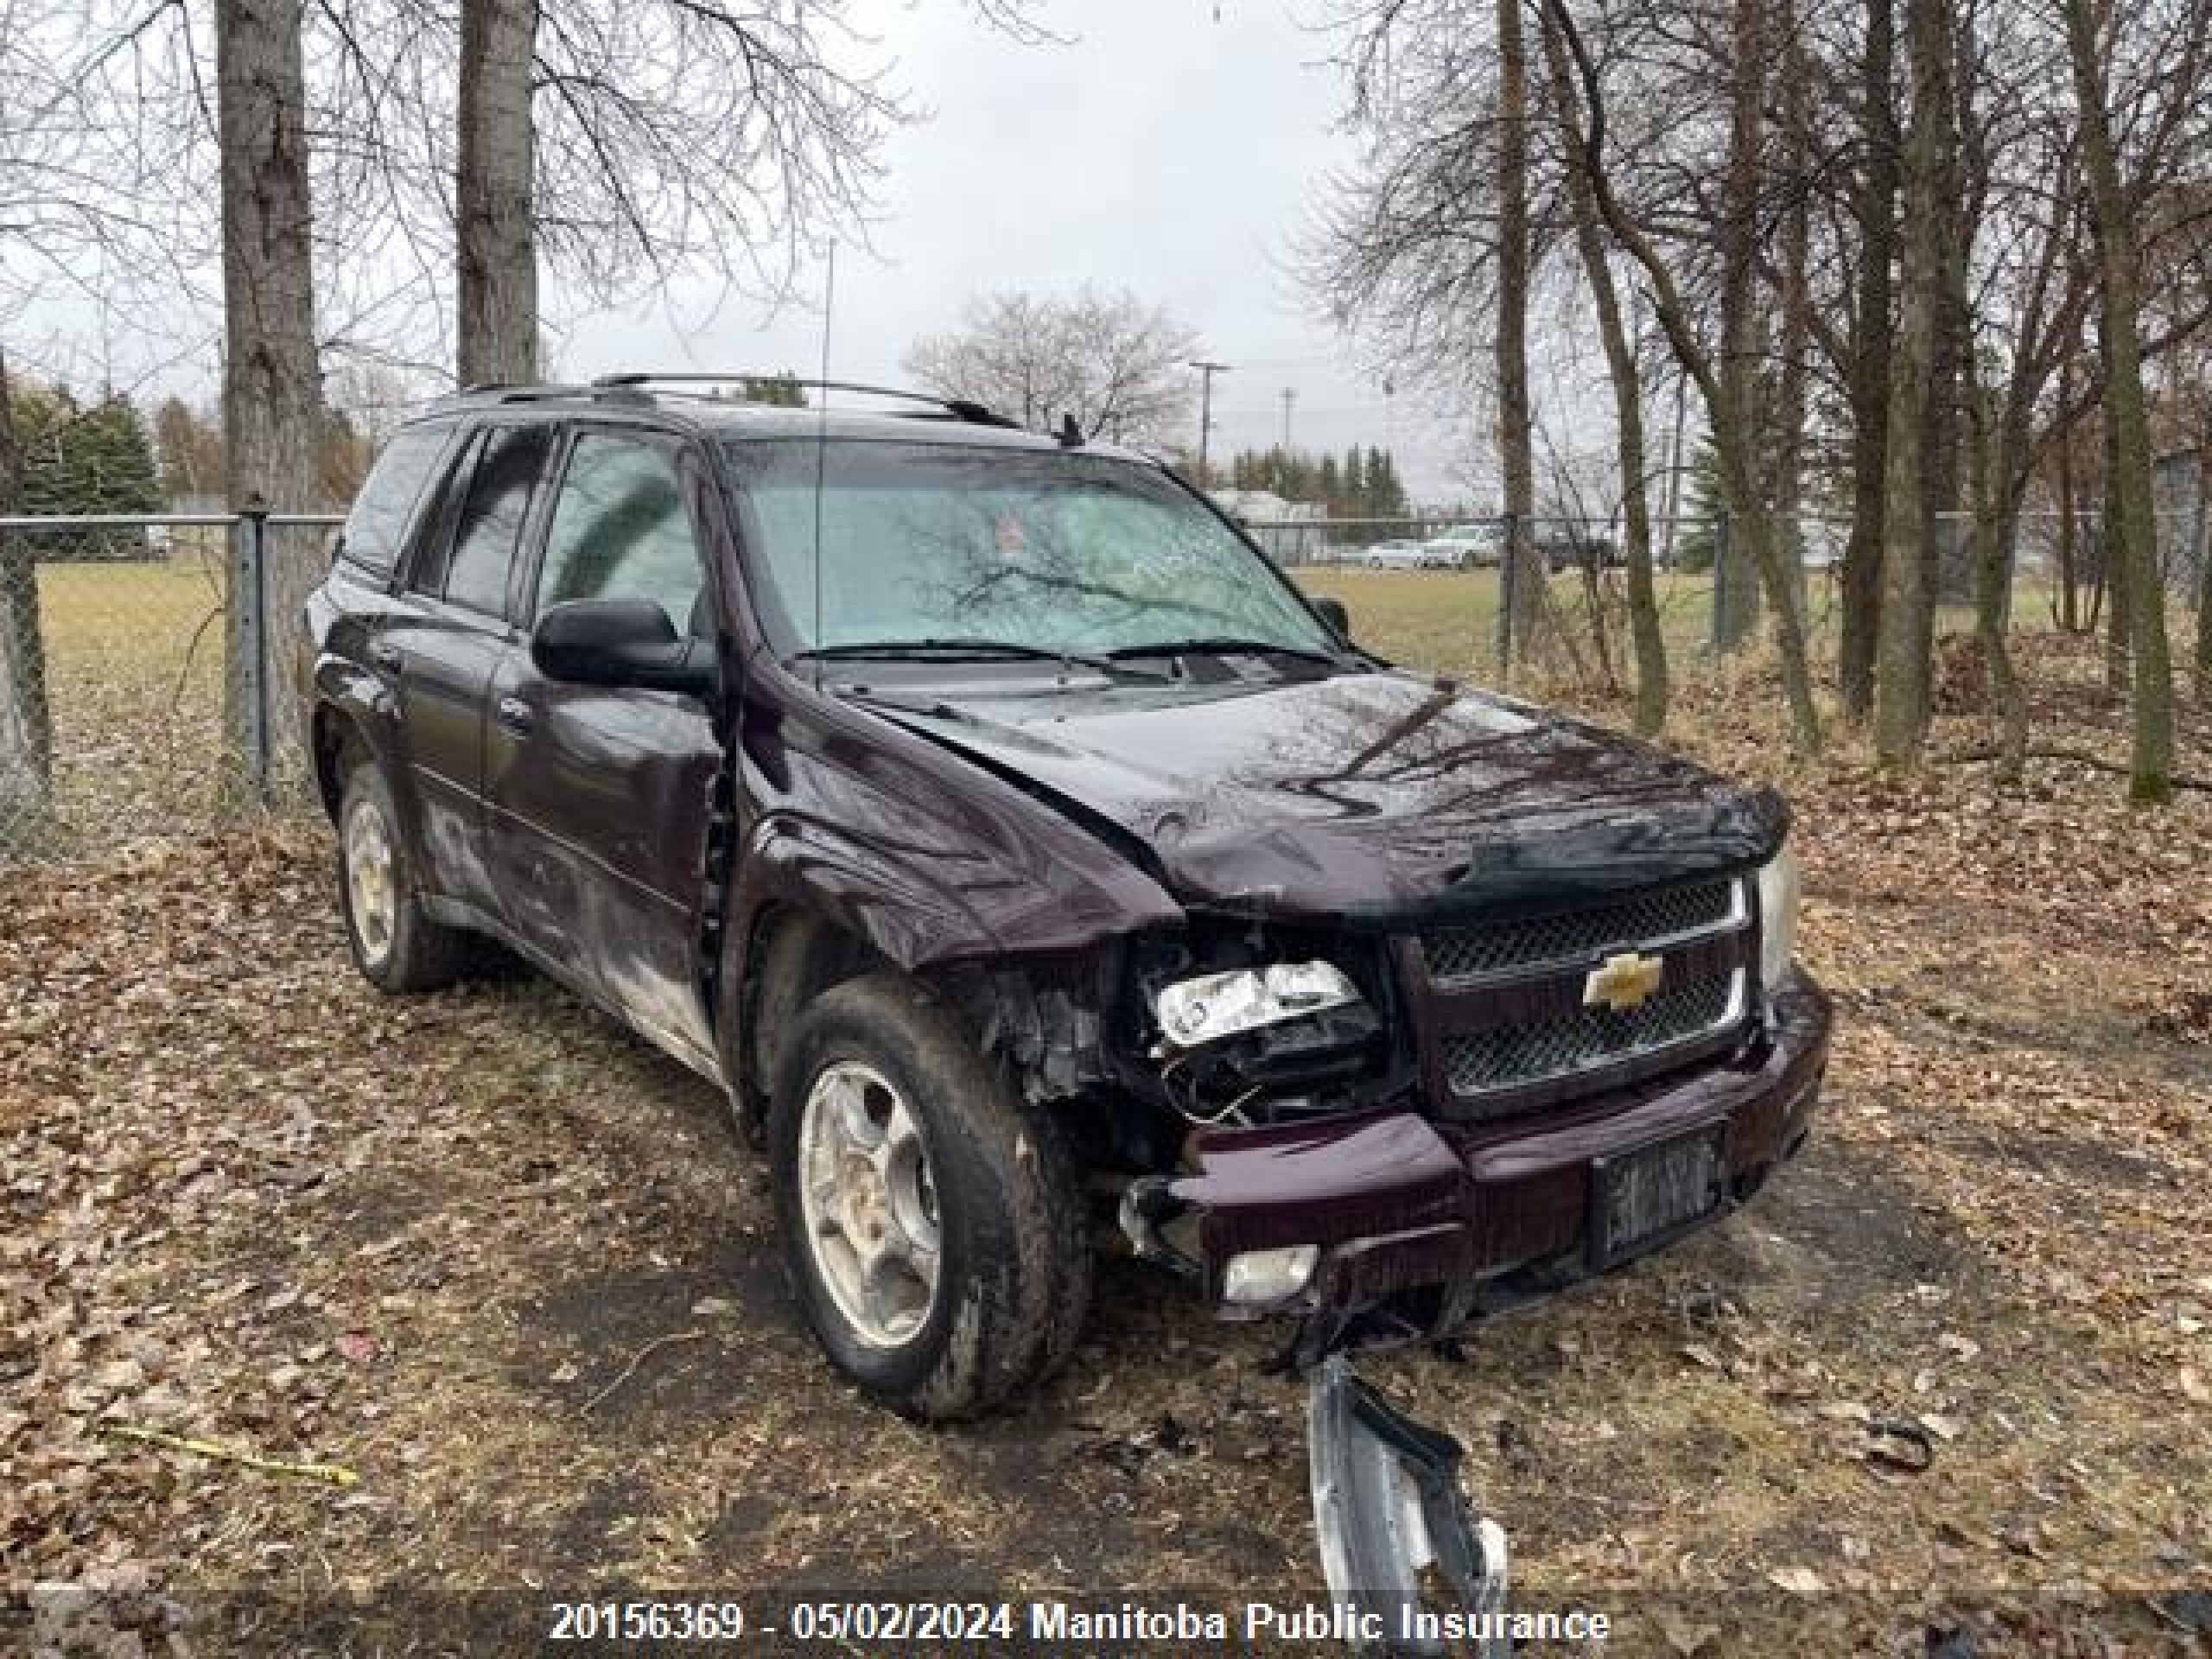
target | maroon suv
x=1020, y=849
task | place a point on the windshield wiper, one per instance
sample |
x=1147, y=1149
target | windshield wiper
x=1227, y=645
x=957, y=649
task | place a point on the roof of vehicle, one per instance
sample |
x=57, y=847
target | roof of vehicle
x=928, y=420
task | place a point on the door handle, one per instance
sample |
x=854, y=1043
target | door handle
x=517, y=716
x=385, y=656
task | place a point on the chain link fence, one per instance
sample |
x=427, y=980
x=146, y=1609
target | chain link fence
x=144, y=675
x=1443, y=582
x=145, y=662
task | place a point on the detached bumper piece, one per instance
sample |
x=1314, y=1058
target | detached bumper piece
x=1388, y=1508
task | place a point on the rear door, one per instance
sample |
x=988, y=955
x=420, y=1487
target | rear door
x=455, y=622
x=599, y=799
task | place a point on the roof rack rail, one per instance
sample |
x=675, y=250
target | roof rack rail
x=960, y=409
x=502, y=391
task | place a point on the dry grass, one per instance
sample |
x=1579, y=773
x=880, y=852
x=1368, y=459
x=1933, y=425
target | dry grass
x=248, y=1199
x=133, y=680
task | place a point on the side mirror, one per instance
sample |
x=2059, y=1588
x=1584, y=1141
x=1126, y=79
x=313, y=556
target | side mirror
x=1333, y=612
x=621, y=643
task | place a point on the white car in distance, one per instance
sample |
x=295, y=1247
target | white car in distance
x=1467, y=547
x=1397, y=554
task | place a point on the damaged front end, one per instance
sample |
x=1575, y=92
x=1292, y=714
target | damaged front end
x=1390, y=1136
x=1381, y=1132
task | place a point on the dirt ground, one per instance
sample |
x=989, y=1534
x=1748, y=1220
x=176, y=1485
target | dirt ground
x=509, y=1269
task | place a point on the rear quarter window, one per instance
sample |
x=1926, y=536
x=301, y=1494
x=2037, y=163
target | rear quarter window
x=377, y=527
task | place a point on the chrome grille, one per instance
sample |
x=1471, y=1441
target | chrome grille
x=1589, y=1039
x=1518, y=949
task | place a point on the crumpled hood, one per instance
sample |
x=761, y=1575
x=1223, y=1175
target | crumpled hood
x=1363, y=795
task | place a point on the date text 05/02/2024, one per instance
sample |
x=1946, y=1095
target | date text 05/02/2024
x=1052, y=1622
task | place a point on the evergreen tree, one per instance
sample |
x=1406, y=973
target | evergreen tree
x=45, y=420
x=113, y=456
x=1386, y=496
x=1696, y=537
x=778, y=391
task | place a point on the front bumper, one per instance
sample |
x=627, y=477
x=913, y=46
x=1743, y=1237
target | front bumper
x=1426, y=1225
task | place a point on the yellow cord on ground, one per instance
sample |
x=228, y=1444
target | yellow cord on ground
x=334, y=1473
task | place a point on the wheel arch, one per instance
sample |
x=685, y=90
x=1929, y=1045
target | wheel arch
x=789, y=952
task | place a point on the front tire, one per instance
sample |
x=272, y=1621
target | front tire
x=932, y=1226
x=396, y=945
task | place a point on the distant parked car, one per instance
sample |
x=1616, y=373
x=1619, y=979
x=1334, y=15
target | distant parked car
x=1467, y=546
x=1398, y=554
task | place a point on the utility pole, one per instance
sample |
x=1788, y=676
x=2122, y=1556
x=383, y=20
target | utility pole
x=1289, y=396
x=1206, y=370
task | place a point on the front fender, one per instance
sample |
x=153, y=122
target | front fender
x=902, y=915
x=927, y=857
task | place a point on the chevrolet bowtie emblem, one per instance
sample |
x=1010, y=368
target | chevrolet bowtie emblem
x=1623, y=982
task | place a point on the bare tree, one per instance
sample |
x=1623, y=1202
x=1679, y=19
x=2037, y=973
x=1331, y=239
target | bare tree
x=1908, y=598
x=1116, y=364
x=1522, y=610
x=610, y=144
x=1874, y=210
x=2126, y=412
x=1729, y=388
x=272, y=386
x=1623, y=371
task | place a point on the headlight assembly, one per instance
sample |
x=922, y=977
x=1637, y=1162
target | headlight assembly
x=1194, y=1011
x=1777, y=916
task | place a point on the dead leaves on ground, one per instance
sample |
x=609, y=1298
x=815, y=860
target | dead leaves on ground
x=1950, y=1375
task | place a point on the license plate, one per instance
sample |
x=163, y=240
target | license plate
x=1642, y=1199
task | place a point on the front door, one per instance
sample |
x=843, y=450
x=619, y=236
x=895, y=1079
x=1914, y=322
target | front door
x=599, y=799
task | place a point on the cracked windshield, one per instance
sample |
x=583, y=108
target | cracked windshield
x=924, y=542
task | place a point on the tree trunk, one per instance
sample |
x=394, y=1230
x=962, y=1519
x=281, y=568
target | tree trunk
x=1520, y=610
x=1736, y=593
x=2112, y=568
x=2201, y=540
x=1996, y=529
x=2127, y=408
x=1902, y=687
x=1628, y=410
x=1794, y=302
x=2070, y=577
x=496, y=247
x=1875, y=210
x=272, y=390
x=26, y=736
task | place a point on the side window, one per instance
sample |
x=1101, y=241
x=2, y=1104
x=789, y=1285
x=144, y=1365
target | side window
x=377, y=524
x=490, y=526
x=619, y=531
x=426, y=571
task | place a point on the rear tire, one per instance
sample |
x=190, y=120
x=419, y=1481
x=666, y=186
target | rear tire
x=932, y=1225
x=396, y=945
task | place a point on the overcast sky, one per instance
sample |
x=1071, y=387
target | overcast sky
x=1172, y=147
